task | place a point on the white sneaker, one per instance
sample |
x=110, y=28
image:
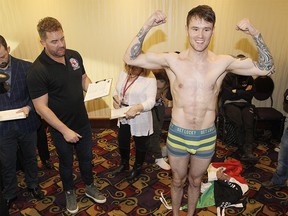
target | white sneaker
x=162, y=163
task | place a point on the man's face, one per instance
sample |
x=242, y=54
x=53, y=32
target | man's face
x=4, y=57
x=199, y=33
x=54, y=44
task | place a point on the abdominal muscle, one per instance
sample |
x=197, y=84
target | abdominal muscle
x=194, y=111
x=195, y=88
x=191, y=121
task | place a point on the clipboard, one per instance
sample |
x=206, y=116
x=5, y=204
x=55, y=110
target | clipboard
x=118, y=113
x=98, y=89
x=12, y=114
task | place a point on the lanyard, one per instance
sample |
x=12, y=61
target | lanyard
x=127, y=87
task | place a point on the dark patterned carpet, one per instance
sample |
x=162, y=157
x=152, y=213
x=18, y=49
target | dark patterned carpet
x=141, y=197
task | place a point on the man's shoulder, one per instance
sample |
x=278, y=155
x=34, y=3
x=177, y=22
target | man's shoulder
x=70, y=52
x=37, y=64
x=15, y=60
x=37, y=68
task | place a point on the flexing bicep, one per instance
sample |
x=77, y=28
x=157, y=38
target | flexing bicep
x=246, y=67
x=150, y=60
x=263, y=66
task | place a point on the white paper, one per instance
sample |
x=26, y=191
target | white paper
x=98, y=89
x=118, y=113
x=11, y=115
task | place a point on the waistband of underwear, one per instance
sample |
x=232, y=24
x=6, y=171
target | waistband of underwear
x=189, y=131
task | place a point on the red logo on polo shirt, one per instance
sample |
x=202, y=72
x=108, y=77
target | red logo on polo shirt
x=74, y=64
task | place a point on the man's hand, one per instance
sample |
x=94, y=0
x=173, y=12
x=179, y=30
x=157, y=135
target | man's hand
x=245, y=26
x=25, y=110
x=157, y=18
x=71, y=136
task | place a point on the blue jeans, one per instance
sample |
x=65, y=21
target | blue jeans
x=8, y=155
x=83, y=150
x=281, y=174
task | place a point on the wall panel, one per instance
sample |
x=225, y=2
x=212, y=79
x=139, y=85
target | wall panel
x=102, y=29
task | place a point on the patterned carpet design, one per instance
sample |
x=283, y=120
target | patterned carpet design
x=141, y=197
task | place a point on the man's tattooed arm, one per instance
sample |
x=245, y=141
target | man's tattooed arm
x=137, y=47
x=265, y=60
x=134, y=50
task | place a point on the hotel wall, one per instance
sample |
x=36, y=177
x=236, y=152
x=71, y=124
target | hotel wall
x=102, y=29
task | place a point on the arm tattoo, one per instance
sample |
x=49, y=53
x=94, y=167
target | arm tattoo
x=137, y=48
x=265, y=60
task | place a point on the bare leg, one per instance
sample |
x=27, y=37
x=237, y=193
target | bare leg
x=198, y=167
x=179, y=166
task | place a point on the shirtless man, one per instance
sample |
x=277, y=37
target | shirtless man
x=195, y=76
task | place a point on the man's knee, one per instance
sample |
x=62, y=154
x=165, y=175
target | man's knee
x=178, y=182
x=194, y=182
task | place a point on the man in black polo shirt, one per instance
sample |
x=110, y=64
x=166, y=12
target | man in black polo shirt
x=56, y=81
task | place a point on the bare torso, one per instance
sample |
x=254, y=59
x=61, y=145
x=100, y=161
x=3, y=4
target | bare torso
x=195, y=86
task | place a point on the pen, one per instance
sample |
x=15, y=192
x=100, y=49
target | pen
x=116, y=101
x=100, y=81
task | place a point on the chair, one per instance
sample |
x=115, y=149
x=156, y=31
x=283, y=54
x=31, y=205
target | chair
x=268, y=118
x=226, y=130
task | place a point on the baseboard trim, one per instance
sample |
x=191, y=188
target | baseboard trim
x=103, y=123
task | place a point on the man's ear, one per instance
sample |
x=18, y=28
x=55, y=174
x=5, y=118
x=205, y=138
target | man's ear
x=42, y=42
x=8, y=49
x=213, y=30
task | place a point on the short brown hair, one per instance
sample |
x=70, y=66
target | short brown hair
x=203, y=12
x=48, y=24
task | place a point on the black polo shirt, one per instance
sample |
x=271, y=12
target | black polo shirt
x=63, y=83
